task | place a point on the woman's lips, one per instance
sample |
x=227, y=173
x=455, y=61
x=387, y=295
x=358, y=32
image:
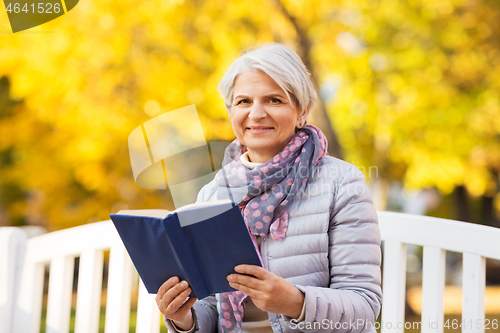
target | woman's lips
x=259, y=130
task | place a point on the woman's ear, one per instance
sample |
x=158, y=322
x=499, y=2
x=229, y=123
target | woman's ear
x=302, y=119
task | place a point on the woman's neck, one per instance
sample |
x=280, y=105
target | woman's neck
x=254, y=157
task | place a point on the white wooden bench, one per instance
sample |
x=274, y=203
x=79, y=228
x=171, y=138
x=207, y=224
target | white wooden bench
x=436, y=235
x=88, y=242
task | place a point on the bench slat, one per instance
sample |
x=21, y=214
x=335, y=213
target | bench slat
x=89, y=292
x=60, y=290
x=119, y=290
x=474, y=280
x=433, y=274
x=28, y=308
x=148, y=315
x=394, y=286
x=12, y=246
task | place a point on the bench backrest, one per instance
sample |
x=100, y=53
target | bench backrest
x=476, y=242
x=88, y=242
x=59, y=249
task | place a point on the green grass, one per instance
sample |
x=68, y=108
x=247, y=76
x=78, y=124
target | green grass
x=102, y=316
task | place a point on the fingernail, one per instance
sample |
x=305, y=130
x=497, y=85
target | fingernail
x=230, y=278
x=237, y=268
x=184, y=284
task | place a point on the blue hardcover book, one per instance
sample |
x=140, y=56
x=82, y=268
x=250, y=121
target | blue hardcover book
x=200, y=243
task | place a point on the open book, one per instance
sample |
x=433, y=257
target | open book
x=200, y=243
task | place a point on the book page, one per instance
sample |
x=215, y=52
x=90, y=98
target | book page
x=161, y=213
x=202, y=204
x=198, y=213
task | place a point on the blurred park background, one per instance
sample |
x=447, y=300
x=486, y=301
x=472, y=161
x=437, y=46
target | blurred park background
x=409, y=92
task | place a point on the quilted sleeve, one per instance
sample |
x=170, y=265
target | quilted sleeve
x=353, y=300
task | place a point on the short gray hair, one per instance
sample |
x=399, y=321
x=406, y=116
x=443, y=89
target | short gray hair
x=282, y=64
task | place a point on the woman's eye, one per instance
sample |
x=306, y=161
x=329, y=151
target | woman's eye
x=275, y=99
x=243, y=100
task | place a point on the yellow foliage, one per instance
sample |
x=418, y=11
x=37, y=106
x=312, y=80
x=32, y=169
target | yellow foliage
x=412, y=88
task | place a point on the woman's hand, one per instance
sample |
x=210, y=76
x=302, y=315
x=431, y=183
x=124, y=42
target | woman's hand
x=171, y=300
x=269, y=292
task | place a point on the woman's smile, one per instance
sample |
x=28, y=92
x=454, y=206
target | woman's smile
x=259, y=129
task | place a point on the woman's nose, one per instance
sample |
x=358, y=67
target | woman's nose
x=257, y=111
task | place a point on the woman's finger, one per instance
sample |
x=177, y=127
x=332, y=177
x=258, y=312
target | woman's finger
x=175, y=291
x=178, y=301
x=257, y=271
x=246, y=280
x=165, y=287
x=250, y=281
x=245, y=288
x=187, y=306
x=171, y=294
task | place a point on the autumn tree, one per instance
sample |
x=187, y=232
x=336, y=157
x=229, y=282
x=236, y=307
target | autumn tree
x=410, y=87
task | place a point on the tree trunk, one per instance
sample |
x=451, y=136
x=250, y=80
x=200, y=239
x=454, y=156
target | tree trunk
x=487, y=204
x=488, y=212
x=318, y=116
x=462, y=204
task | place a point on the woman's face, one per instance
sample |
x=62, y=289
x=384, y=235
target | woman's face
x=262, y=118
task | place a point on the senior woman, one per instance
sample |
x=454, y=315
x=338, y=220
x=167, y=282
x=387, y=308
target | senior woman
x=310, y=215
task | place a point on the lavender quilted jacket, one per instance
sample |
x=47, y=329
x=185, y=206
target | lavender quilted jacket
x=331, y=252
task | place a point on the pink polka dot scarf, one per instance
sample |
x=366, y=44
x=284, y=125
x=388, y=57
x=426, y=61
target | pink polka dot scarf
x=263, y=195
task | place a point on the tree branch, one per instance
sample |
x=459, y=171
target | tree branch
x=318, y=115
